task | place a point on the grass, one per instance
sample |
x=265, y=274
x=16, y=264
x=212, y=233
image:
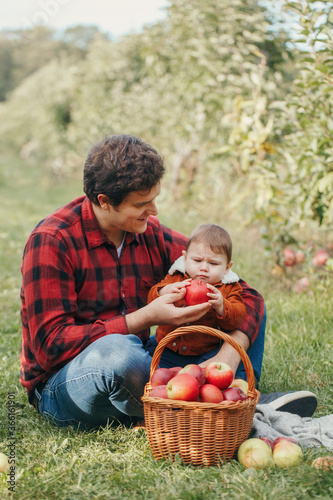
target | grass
x=114, y=462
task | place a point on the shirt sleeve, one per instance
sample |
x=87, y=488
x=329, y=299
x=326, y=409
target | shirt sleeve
x=255, y=309
x=234, y=308
x=50, y=305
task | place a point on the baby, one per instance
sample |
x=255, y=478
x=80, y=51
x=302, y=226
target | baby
x=207, y=258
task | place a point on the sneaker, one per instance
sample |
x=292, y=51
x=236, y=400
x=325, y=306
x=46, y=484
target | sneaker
x=302, y=403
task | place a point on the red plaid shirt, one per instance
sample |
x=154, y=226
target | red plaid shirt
x=75, y=288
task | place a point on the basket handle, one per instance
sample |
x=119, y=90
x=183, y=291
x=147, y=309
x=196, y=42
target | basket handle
x=183, y=330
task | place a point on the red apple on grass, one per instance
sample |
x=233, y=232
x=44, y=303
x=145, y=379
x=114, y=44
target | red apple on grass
x=184, y=387
x=255, y=453
x=267, y=441
x=196, y=293
x=219, y=374
x=289, y=257
x=320, y=258
x=234, y=394
x=160, y=391
x=287, y=453
x=283, y=438
x=196, y=371
x=209, y=393
x=161, y=377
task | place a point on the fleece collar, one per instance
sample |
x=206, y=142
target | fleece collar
x=179, y=265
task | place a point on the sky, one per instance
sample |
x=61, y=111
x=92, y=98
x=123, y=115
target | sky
x=116, y=17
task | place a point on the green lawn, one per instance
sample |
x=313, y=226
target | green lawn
x=115, y=462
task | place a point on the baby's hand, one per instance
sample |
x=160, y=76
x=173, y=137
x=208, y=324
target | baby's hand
x=174, y=287
x=216, y=299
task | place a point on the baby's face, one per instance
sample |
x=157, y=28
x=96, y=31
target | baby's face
x=202, y=263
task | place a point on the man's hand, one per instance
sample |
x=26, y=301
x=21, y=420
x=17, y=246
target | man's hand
x=162, y=311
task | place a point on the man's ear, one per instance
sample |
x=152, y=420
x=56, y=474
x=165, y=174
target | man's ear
x=184, y=253
x=103, y=201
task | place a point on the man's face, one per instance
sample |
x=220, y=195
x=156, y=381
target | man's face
x=202, y=263
x=133, y=212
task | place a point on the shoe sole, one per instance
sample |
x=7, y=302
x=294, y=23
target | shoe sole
x=304, y=405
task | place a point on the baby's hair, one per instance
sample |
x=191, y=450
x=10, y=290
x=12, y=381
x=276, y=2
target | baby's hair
x=214, y=236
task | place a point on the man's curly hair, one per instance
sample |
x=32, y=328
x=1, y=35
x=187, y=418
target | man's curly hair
x=118, y=165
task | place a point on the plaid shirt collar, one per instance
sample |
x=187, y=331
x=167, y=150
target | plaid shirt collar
x=94, y=234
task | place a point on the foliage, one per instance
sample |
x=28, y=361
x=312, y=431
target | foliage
x=242, y=115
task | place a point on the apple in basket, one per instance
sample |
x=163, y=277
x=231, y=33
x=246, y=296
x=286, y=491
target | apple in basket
x=160, y=391
x=209, y=393
x=234, y=394
x=242, y=384
x=219, y=374
x=254, y=452
x=184, y=387
x=161, y=377
x=196, y=371
x=196, y=293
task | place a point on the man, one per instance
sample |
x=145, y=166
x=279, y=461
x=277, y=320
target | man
x=86, y=273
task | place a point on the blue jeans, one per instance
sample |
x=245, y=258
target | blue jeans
x=105, y=382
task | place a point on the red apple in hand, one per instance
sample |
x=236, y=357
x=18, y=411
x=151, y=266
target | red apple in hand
x=209, y=393
x=196, y=371
x=159, y=391
x=196, y=293
x=184, y=387
x=161, y=377
x=219, y=374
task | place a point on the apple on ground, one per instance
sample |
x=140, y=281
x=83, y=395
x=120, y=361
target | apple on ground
x=283, y=438
x=161, y=377
x=254, y=452
x=242, y=384
x=320, y=258
x=209, y=393
x=267, y=441
x=196, y=371
x=287, y=453
x=299, y=257
x=325, y=463
x=196, y=293
x=234, y=394
x=289, y=257
x=219, y=374
x=159, y=391
x=303, y=284
x=184, y=387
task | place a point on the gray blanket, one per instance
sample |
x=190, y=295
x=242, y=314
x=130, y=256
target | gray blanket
x=307, y=431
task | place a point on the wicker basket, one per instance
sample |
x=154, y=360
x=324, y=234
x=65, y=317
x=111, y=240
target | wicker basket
x=202, y=434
